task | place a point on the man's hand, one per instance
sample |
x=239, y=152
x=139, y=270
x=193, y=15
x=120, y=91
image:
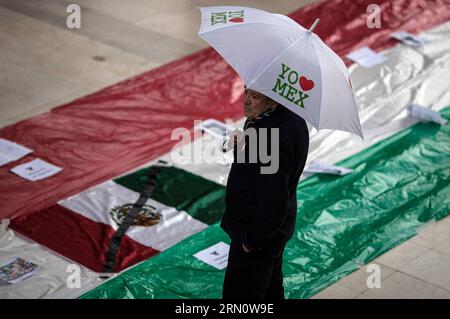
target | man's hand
x=234, y=137
x=245, y=248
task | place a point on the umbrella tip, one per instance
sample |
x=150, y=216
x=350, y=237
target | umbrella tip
x=313, y=25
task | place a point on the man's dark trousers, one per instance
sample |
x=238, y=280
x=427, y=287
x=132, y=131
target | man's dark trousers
x=252, y=275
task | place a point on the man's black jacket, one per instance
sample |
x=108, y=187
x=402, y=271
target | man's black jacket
x=261, y=208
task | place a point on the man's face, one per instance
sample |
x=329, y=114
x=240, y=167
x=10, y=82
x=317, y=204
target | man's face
x=254, y=103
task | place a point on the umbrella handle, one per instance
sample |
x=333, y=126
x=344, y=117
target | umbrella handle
x=313, y=26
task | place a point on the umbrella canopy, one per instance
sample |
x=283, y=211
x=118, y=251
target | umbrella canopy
x=279, y=58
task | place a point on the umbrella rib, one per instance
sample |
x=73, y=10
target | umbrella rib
x=321, y=80
x=275, y=58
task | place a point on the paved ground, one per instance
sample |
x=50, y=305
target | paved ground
x=43, y=64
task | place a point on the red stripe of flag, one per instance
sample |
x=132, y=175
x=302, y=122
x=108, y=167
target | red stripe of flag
x=79, y=238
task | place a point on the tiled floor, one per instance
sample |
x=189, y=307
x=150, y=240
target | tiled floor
x=44, y=64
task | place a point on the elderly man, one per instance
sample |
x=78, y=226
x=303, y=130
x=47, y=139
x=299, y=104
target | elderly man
x=261, y=207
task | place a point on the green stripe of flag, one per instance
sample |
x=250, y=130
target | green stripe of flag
x=343, y=222
x=199, y=197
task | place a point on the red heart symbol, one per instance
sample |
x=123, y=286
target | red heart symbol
x=306, y=84
x=237, y=20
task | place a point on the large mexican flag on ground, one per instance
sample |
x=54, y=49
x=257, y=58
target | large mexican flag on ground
x=343, y=222
x=81, y=227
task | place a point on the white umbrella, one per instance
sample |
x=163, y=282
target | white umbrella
x=277, y=57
